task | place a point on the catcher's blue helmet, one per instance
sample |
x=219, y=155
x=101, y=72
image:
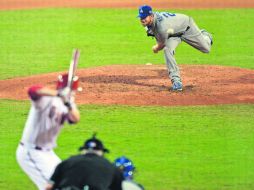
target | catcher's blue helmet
x=126, y=166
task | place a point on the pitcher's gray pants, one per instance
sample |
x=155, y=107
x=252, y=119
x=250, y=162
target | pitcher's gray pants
x=194, y=37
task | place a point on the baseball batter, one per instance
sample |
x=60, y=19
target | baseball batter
x=50, y=109
x=169, y=30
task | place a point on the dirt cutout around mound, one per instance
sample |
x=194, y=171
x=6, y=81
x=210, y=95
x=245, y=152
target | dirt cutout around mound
x=148, y=85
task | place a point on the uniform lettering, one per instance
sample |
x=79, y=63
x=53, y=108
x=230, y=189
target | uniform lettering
x=159, y=18
x=166, y=14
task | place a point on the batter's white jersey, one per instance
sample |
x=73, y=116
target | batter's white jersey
x=46, y=117
x=35, y=153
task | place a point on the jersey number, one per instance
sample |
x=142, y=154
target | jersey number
x=168, y=14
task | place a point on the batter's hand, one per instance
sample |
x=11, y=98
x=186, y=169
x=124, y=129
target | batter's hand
x=65, y=94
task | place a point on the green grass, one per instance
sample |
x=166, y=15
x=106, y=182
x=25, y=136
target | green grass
x=36, y=41
x=172, y=147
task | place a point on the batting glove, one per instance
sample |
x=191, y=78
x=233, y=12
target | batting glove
x=65, y=94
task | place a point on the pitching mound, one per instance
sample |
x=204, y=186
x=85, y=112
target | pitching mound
x=148, y=85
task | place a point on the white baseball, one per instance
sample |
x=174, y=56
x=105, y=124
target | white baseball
x=80, y=89
x=170, y=31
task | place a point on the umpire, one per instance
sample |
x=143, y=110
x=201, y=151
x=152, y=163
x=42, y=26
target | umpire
x=87, y=171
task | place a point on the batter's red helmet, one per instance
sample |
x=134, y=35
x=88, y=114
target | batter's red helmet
x=63, y=80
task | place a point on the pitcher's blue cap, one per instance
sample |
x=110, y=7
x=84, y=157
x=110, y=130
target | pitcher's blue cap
x=144, y=11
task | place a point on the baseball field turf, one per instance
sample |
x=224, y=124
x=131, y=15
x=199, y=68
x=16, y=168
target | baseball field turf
x=193, y=147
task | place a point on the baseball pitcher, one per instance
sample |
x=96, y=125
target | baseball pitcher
x=169, y=30
x=50, y=109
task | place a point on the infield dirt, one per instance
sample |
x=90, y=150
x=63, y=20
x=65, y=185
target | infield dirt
x=143, y=84
x=148, y=85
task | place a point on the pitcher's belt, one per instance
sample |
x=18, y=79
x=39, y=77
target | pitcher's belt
x=179, y=34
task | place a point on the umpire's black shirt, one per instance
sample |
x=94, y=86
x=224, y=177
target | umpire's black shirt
x=89, y=170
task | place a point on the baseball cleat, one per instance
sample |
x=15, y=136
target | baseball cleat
x=208, y=34
x=177, y=86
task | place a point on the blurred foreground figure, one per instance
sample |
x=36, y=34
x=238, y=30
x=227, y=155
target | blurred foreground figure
x=87, y=171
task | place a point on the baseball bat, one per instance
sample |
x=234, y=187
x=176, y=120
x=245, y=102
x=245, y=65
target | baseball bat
x=73, y=67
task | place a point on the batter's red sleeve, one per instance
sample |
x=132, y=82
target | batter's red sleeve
x=33, y=92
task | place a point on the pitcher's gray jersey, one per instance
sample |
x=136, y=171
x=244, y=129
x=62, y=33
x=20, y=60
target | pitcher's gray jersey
x=164, y=20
